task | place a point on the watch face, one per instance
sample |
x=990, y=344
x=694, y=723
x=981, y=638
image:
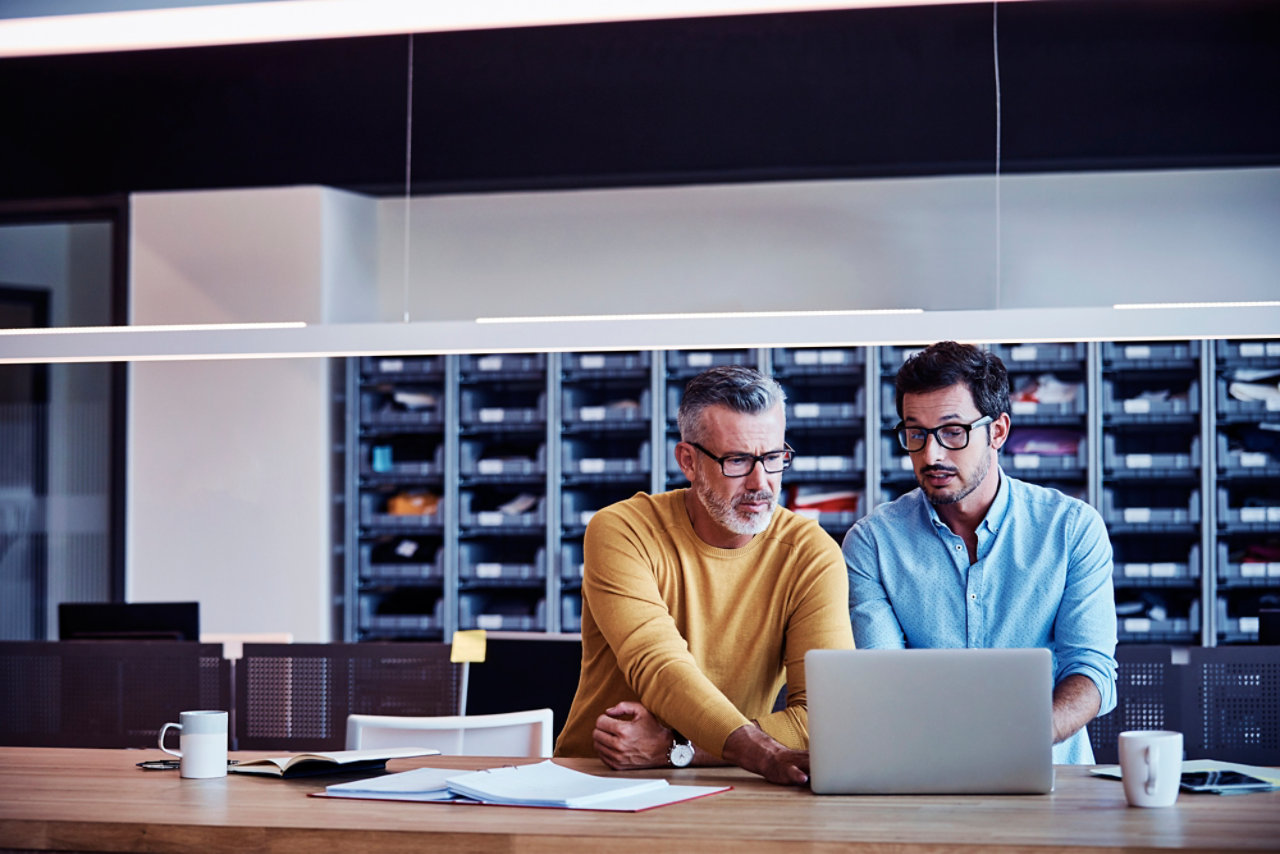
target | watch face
x=681, y=754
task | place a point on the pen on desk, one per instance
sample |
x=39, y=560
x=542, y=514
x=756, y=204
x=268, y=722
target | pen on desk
x=169, y=764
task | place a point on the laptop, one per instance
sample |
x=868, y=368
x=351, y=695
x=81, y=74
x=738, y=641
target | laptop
x=930, y=721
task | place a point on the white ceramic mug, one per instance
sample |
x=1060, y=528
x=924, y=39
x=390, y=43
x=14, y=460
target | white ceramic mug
x=1151, y=767
x=202, y=743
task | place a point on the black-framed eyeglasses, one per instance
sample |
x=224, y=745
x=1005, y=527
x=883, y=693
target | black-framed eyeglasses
x=953, y=437
x=741, y=465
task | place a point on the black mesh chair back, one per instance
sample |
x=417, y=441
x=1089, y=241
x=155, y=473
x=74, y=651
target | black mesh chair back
x=292, y=697
x=1235, y=691
x=104, y=693
x=1147, y=697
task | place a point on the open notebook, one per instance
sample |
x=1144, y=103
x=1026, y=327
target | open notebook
x=542, y=784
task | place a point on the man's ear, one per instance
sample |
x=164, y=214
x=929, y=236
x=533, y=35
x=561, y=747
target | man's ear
x=685, y=459
x=1000, y=430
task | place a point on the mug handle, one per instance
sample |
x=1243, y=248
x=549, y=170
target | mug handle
x=179, y=728
x=1152, y=757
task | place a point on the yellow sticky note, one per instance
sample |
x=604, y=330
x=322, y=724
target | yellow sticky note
x=467, y=646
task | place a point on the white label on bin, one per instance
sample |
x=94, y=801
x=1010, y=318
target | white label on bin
x=830, y=463
x=489, y=466
x=389, y=365
x=488, y=570
x=1137, y=570
x=805, y=463
x=591, y=413
x=1273, y=348
x=1251, y=349
x=491, y=622
x=1164, y=570
x=904, y=463
x=1253, y=514
x=1253, y=459
x=831, y=357
x=1249, y=625
x=585, y=516
x=1137, y=351
x=1253, y=570
x=1138, y=406
x=1023, y=353
x=591, y=363
x=805, y=357
x=1137, y=624
x=490, y=415
x=489, y=363
x=1273, y=404
x=807, y=410
x=593, y=465
x=699, y=360
x=1137, y=461
x=1026, y=461
x=1273, y=570
x=1024, y=407
x=1137, y=515
x=1273, y=514
x=490, y=517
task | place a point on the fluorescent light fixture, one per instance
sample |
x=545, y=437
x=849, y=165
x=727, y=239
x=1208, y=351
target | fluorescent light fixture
x=264, y=341
x=144, y=329
x=1124, y=306
x=705, y=315
x=291, y=20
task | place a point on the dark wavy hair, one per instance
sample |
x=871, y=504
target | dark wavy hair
x=946, y=363
x=737, y=387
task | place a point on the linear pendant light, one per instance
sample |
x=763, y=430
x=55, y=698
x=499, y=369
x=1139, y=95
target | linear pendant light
x=268, y=341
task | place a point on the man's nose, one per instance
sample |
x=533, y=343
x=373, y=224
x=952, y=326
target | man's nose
x=932, y=450
x=757, y=479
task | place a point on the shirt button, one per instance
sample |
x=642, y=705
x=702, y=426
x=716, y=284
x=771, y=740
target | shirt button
x=958, y=547
x=973, y=595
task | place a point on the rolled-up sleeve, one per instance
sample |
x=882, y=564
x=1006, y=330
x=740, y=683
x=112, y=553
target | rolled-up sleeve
x=1085, y=625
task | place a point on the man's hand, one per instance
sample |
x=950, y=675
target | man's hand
x=628, y=736
x=751, y=748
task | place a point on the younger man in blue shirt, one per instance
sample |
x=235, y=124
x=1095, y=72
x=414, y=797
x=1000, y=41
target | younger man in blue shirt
x=975, y=558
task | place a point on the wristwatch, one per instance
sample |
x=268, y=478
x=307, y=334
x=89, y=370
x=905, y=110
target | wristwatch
x=681, y=752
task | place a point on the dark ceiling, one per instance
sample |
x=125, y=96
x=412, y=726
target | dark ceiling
x=1116, y=84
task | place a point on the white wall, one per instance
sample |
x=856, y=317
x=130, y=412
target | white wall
x=228, y=483
x=1067, y=240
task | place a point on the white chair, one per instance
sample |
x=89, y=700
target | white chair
x=525, y=733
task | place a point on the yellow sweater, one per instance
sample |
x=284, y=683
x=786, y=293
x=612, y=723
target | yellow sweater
x=702, y=636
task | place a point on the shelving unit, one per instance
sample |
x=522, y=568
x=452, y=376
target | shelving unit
x=1247, y=498
x=1152, y=497
x=826, y=416
x=471, y=478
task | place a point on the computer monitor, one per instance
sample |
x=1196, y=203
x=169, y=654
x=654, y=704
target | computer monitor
x=129, y=621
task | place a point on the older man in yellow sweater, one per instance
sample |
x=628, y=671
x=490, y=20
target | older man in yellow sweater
x=700, y=603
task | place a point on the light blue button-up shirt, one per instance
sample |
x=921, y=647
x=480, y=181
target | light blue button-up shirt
x=1042, y=579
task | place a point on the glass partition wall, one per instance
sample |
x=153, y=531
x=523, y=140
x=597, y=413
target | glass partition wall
x=61, y=433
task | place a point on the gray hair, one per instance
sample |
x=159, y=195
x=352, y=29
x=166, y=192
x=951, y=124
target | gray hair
x=735, y=387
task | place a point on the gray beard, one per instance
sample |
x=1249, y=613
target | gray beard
x=723, y=512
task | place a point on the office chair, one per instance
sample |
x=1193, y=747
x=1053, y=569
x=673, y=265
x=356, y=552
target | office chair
x=523, y=733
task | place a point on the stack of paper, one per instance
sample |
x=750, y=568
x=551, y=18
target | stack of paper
x=543, y=784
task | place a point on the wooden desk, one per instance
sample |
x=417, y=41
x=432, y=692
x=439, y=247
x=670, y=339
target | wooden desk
x=96, y=800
